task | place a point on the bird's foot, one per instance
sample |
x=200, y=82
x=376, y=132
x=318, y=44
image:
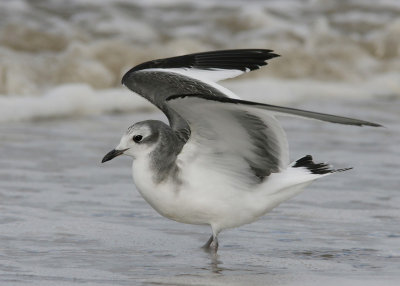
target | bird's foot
x=211, y=245
x=208, y=243
x=214, y=245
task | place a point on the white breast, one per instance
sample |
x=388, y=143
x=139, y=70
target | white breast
x=202, y=197
x=172, y=200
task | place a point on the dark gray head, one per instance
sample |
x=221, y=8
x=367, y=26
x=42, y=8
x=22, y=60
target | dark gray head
x=140, y=139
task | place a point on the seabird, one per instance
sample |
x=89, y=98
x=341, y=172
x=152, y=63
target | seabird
x=221, y=161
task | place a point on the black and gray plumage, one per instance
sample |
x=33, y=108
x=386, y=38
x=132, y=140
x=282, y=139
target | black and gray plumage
x=221, y=161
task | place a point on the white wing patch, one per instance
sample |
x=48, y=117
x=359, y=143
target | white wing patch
x=209, y=77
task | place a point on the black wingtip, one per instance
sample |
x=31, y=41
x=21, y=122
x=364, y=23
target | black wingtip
x=316, y=168
x=361, y=123
x=125, y=76
x=372, y=124
x=236, y=59
x=273, y=55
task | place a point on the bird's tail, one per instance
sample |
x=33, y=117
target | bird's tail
x=292, y=181
x=308, y=164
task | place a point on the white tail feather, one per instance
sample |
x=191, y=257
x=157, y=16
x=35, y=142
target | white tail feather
x=284, y=185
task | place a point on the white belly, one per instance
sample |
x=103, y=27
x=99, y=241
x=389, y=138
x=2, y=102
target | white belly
x=205, y=199
x=209, y=198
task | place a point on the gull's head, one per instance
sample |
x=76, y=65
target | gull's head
x=139, y=140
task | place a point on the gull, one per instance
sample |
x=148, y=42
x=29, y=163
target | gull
x=221, y=161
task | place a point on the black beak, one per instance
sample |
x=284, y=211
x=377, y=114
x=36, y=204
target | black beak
x=112, y=154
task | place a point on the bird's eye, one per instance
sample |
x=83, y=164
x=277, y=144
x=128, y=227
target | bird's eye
x=137, y=138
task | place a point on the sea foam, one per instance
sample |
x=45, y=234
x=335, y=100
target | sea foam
x=76, y=52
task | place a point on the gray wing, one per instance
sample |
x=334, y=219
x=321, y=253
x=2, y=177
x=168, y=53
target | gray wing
x=285, y=111
x=190, y=74
x=197, y=74
x=240, y=136
x=230, y=131
x=244, y=141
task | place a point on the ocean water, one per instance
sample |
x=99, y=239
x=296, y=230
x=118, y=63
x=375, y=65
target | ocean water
x=67, y=219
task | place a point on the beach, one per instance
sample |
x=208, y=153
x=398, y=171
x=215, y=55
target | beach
x=67, y=219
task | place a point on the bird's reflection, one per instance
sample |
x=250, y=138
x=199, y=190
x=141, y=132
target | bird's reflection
x=215, y=262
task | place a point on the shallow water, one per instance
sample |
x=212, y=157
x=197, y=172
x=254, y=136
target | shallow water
x=66, y=219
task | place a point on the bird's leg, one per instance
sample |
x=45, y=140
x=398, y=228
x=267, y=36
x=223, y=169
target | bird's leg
x=214, y=244
x=208, y=243
x=211, y=244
